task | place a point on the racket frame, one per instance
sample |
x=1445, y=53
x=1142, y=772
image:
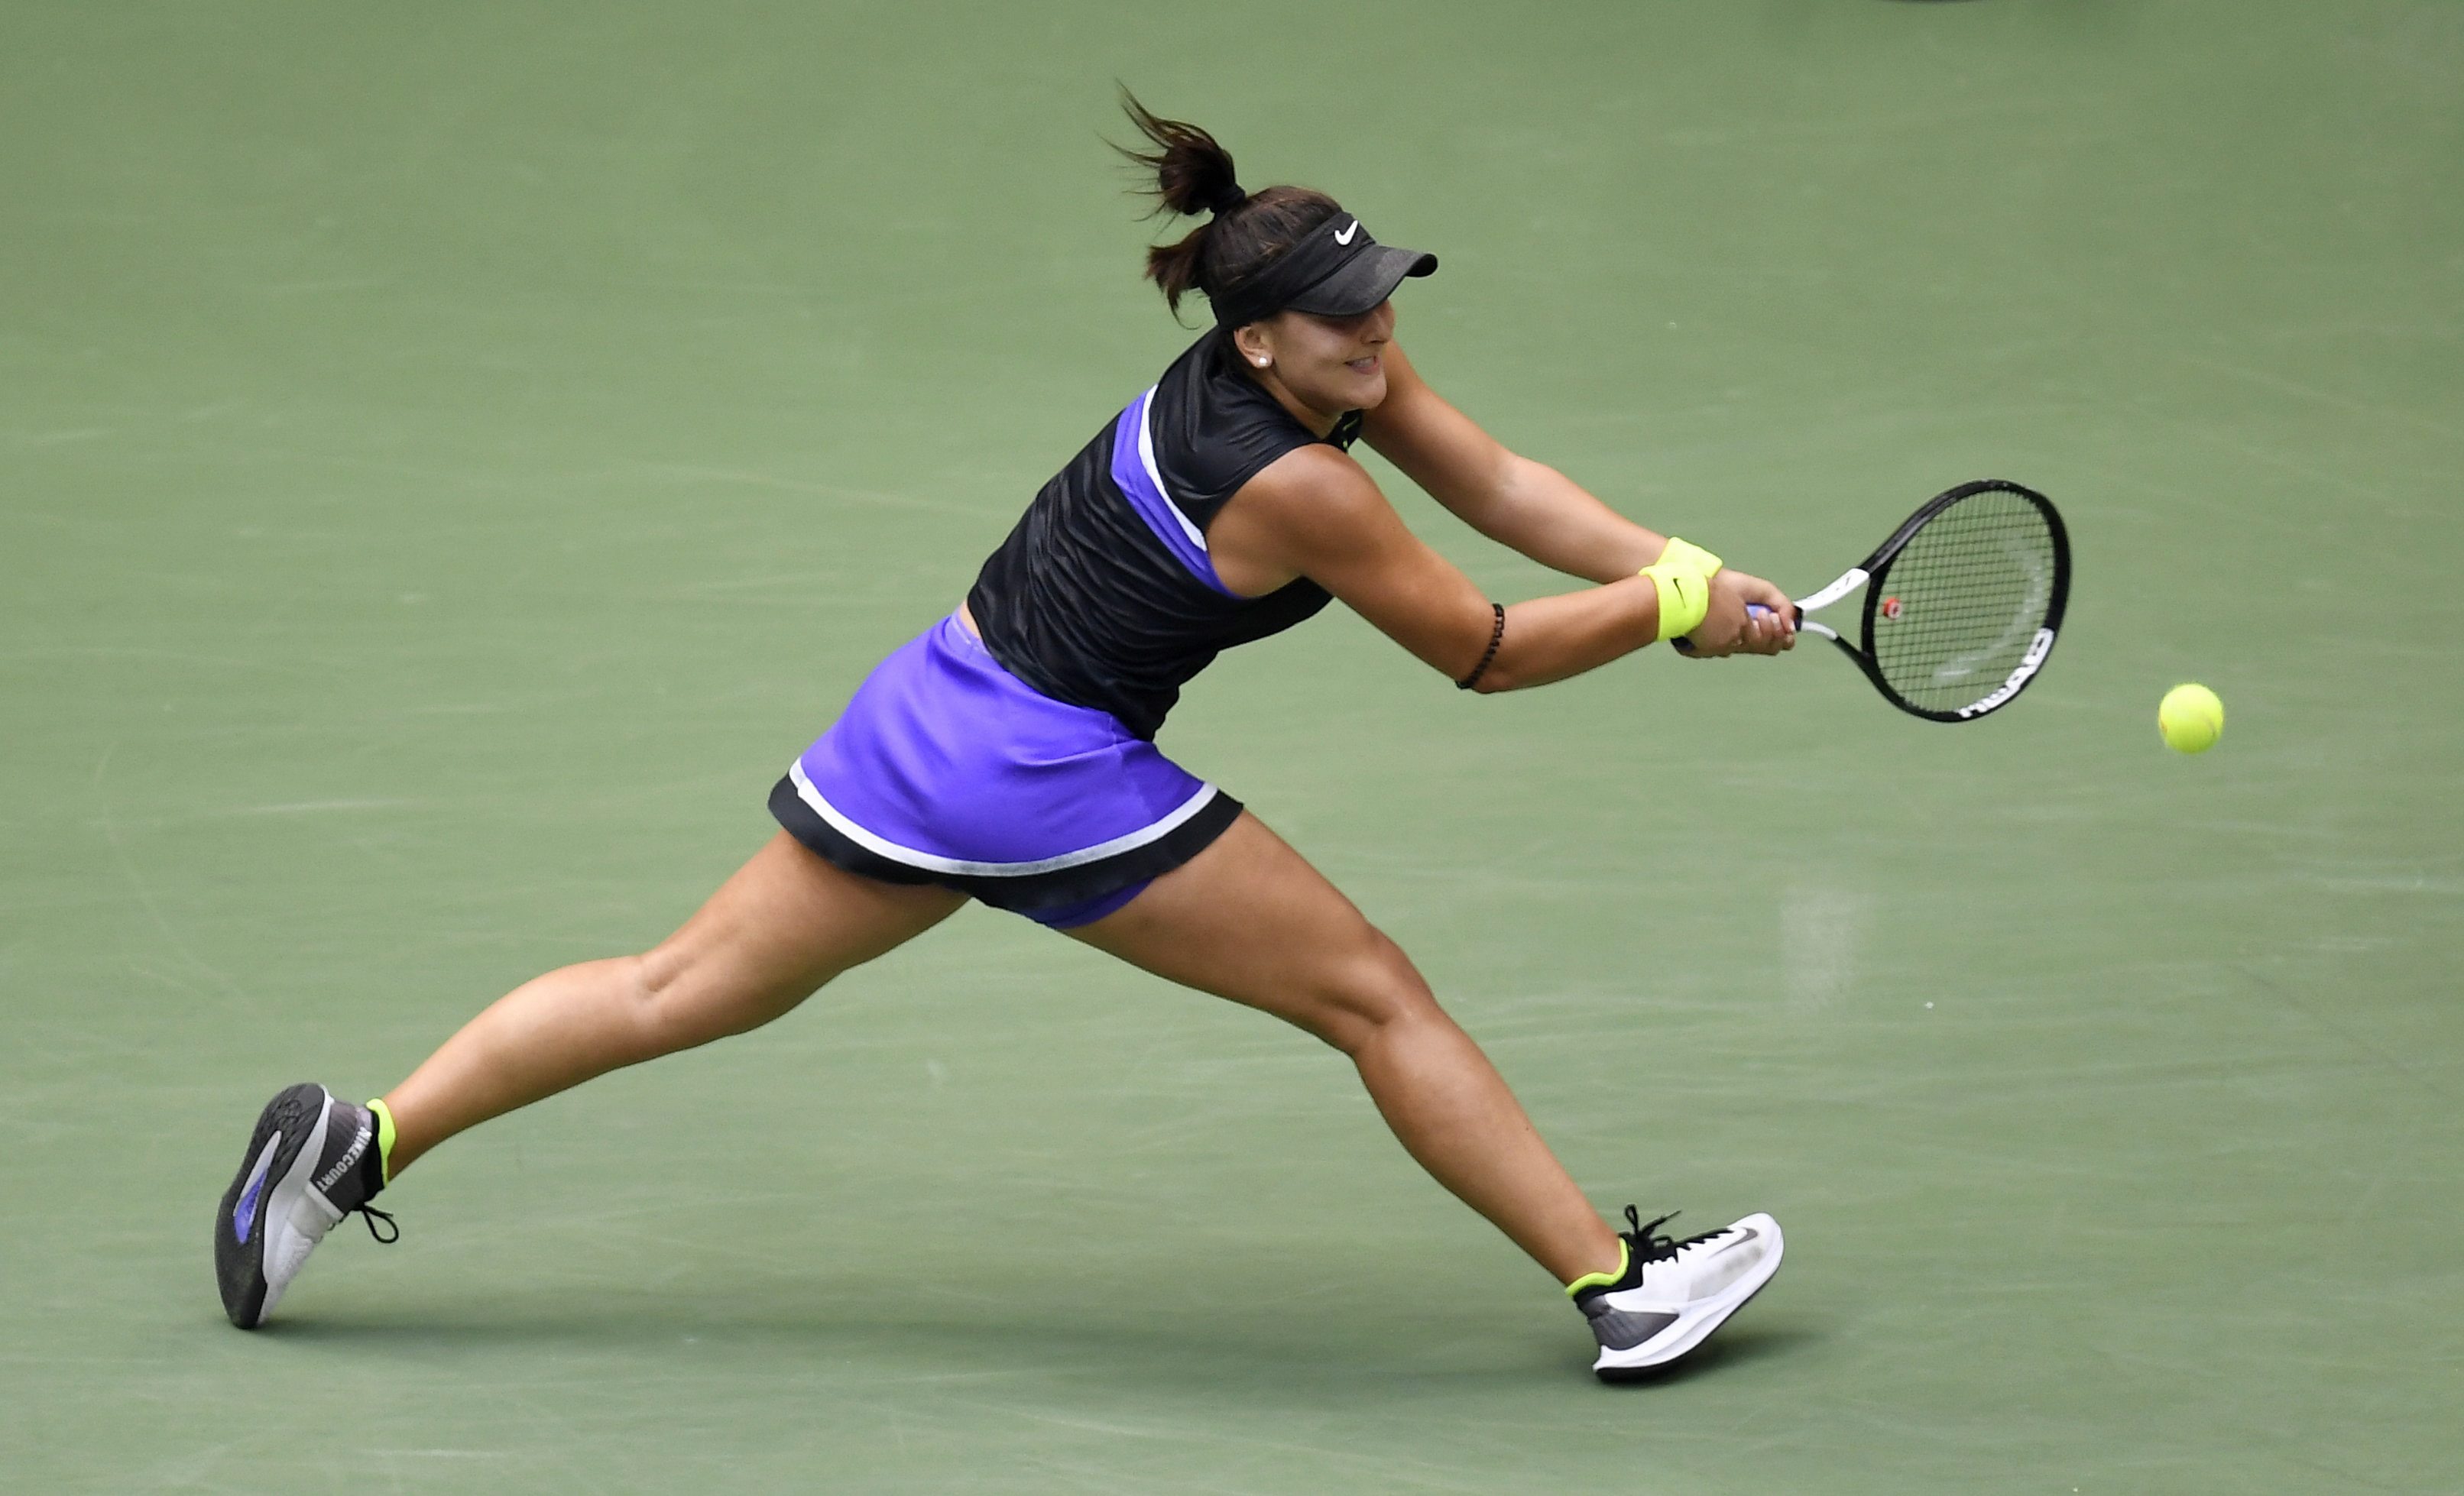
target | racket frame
x=1874, y=571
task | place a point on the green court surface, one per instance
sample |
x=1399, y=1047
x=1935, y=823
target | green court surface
x=452, y=457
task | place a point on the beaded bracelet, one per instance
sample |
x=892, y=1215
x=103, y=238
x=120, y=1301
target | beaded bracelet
x=1496, y=637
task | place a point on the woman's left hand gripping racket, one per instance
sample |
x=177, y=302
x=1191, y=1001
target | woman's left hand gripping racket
x=1962, y=602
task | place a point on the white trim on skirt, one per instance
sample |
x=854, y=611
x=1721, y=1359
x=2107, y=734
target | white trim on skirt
x=930, y=861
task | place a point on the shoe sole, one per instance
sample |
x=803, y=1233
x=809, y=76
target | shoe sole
x=274, y=1174
x=1647, y=1360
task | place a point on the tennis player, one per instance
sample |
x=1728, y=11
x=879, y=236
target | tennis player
x=1008, y=754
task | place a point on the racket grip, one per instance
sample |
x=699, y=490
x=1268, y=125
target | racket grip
x=1752, y=610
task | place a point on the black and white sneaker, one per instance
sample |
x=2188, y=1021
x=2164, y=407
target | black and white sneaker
x=1673, y=1294
x=312, y=1160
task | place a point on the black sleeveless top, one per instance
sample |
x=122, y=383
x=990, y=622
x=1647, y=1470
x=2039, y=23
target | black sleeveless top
x=1104, y=595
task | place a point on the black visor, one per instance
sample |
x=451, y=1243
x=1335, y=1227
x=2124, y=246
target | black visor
x=1337, y=269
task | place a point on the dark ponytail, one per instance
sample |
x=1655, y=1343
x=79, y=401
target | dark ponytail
x=1194, y=175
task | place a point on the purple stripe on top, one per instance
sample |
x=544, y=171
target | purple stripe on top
x=1135, y=474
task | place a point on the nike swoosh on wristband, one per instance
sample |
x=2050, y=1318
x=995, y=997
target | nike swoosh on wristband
x=1344, y=237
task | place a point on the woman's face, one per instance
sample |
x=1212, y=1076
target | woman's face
x=1327, y=365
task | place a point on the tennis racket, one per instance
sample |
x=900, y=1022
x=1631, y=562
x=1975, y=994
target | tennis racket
x=1962, y=602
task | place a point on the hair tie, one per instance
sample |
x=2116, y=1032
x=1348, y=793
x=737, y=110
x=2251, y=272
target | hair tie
x=1232, y=196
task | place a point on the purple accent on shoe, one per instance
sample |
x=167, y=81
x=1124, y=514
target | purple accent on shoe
x=243, y=1213
x=947, y=763
x=1136, y=478
x=1085, y=912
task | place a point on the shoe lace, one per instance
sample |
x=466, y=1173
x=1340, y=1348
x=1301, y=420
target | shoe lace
x=1649, y=1248
x=371, y=1215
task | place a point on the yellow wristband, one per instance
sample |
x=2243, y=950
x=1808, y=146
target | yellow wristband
x=1686, y=556
x=1682, y=578
x=1685, y=599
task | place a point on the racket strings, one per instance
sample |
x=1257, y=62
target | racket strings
x=1964, y=600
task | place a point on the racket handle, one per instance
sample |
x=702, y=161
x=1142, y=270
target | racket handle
x=1752, y=610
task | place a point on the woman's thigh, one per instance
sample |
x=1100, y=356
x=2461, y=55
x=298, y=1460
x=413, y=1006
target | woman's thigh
x=783, y=925
x=1250, y=919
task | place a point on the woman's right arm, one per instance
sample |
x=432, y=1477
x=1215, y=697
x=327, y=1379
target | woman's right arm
x=1316, y=513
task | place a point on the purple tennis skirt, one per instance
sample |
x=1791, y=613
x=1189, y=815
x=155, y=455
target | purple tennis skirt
x=948, y=769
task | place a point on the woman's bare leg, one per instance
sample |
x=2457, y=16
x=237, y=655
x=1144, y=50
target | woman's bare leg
x=784, y=925
x=1250, y=919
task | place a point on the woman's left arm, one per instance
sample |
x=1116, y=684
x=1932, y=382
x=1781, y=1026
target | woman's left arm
x=1524, y=505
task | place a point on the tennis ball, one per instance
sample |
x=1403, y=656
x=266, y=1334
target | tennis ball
x=2190, y=718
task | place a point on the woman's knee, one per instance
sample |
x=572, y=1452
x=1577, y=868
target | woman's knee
x=1367, y=991
x=644, y=987
x=682, y=993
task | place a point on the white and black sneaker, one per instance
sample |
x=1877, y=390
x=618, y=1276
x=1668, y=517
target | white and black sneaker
x=312, y=1160
x=1671, y=1295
